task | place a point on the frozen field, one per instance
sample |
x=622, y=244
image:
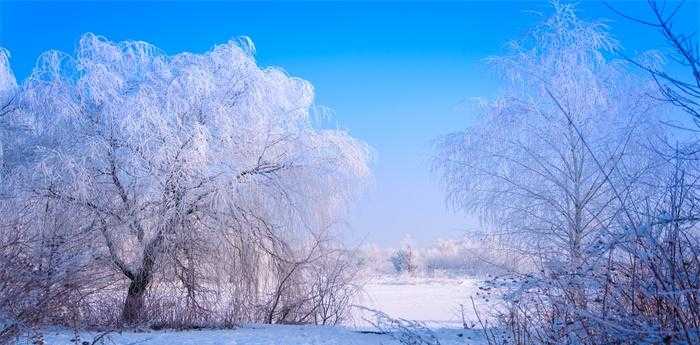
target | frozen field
x=436, y=302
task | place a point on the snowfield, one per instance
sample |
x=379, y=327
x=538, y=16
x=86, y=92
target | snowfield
x=434, y=302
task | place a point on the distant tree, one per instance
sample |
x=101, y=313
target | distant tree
x=404, y=260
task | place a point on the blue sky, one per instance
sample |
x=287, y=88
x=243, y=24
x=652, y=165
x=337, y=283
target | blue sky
x=395, y=74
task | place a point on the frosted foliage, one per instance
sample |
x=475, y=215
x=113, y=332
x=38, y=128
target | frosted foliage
x=214, y=122
x=8, y=84
x=573, y=166
x=523, y=165
x=8, y=89
x=168, y=157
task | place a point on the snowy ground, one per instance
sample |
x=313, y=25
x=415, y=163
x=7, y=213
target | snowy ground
x=435, y=302
x=261, y=335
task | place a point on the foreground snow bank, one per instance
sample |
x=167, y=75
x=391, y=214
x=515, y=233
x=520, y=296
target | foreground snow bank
x=258, y=335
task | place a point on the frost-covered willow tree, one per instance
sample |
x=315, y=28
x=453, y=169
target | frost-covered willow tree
x=167, y=158
x=547, y=163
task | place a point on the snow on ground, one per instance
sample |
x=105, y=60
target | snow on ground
x=260, y=335
x=437, y=302
x=432, y=301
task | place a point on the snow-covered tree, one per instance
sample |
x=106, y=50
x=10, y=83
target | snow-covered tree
x=169, y=158
x=555, y=165
x=404, y=260
x=540, y=160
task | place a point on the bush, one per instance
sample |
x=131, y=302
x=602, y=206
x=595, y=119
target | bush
x=404, y=261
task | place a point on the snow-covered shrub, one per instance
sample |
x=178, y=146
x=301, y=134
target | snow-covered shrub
x=316, y=289
x=404, y=260
x=406, y=332
x=334, y=287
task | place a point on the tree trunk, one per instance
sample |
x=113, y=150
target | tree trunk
x=133, y=304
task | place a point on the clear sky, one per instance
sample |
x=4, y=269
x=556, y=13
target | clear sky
x=395, y=74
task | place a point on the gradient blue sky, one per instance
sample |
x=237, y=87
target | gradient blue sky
x=396, y=74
